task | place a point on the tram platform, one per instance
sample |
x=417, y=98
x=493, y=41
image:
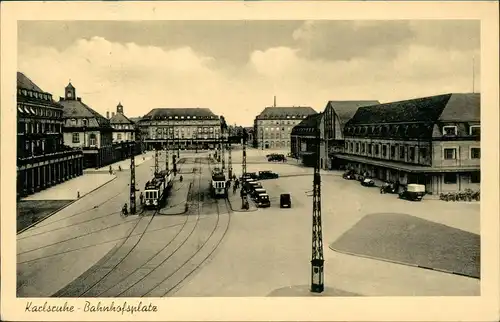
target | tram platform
x=235, y=202
x=178, y=196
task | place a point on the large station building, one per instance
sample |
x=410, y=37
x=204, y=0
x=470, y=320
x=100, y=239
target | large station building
x=181, y=128
x=433, y=141
x=42, y=158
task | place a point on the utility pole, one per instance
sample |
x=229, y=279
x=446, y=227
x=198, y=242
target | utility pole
x=132, y=181
x=166, y=158
x=244, y=201
x=317, y=261
x=229, y=161
x=222, y=157
x=156, y=161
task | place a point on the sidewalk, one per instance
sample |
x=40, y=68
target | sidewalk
x=234, y=200
x=124, y=164
x=69, y=190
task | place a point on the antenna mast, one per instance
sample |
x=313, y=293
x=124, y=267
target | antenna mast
x=473, y=74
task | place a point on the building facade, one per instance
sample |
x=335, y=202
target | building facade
x=126, y=139
x=87, y=130
x=181, y=128
x=336, y=115
x=42, y=159
x=304, y=140
x=273, y=126
x=433, y=141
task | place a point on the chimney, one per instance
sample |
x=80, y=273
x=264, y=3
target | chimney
x=112, y=114
x=274, y=100
x=107, y=115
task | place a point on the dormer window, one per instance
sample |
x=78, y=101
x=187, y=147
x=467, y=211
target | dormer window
x=450, y=130
x=475, y=130
x=73, y=122
x=188, y=117
x=194, y=117
x=85, y=122
x=182, y=117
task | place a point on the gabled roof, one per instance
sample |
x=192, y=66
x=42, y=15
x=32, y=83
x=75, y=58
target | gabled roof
x=77, y=109
x=165, y=113
x=135, y=119
x=345, y=110
x=119, y=118
x=283, y=112
x=308, y=125
x=26, y=83
x=423, y=110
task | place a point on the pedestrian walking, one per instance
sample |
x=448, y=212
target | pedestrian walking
x=78, y=194
x=141, y=198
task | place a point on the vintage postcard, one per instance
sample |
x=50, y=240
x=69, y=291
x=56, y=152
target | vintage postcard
x=250, y=161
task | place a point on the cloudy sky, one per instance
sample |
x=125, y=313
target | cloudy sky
x=236, y=67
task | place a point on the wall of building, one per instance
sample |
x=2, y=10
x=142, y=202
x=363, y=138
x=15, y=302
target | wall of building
x=463, y=154
x=84, y=139
x=274, y=133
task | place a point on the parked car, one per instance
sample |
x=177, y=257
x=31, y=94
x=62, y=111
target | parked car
x=367, y=182
x=257, y=192
x=253, y=185
x=263, y=201
x=276, y=157
x=267, y=175
x=349, y=175
x=414, y=192
x=285, y=200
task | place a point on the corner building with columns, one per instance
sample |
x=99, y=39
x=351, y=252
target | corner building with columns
x=42, y=158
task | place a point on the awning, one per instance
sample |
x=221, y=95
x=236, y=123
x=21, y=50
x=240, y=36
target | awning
x=403, y=166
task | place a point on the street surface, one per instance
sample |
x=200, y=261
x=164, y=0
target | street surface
x=89, y=249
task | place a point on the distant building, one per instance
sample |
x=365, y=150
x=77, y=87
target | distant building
x=336, y=115
x=273, y=126
x=432, y=140
x=42, y=159
x=250, y=136
x=126, y=134
x=304, y=139
x=86, y=129
x=184, y=128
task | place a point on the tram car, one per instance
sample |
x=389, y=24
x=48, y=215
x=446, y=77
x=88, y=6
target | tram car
x=155, y=191
x=218, y=188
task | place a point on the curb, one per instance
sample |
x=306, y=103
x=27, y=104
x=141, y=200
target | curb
x=186, y=207
x=231, y=206
x=61, y=208
x=404, y=264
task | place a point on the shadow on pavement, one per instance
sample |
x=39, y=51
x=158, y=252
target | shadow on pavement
x=33, y=211
x=413, y=241
x=304, y=290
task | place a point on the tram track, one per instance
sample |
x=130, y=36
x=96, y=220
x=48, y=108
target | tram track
x=189, y=266
x=78, y=287
x=159, y=252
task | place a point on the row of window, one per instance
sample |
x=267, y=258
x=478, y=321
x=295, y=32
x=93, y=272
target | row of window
x=452, y=178
x=38, y=147
x=406, y=130
x=123, y=126
x=451, y=153
x=385, y=150
x=185, y=136
x=273, y=136
x=283, y=129
x=37, y=127
x=187, y=130
x=187, y=117
x=75, y=138
x=42, y=96
x=281, y=122
x=39, y=111
x=127, y=136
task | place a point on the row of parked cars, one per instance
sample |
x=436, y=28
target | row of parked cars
x=275, y=157
x=252, y=187
x=412, y=191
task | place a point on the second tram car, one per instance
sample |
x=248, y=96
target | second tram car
x=218, y=185
x=155, y=191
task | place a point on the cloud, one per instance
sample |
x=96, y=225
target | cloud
x=143, y=77
x=382, y=40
